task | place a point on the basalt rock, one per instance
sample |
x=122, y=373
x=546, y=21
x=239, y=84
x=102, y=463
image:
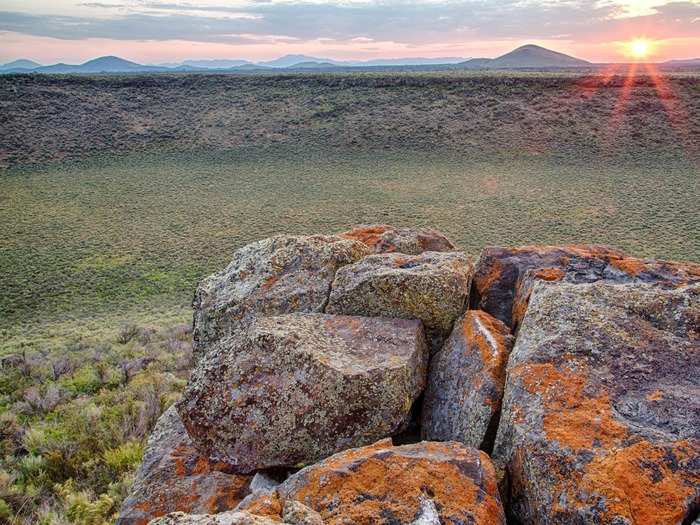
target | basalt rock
x=466, y=380
x=297, y=388
x=382, y=238
x=382, y=484
x=432, y=287
x=503, y=276
x=601, y=413
x=175, y=477
x=224, y=518
x=282, y=274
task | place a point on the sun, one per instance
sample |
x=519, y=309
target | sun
x=640, y=48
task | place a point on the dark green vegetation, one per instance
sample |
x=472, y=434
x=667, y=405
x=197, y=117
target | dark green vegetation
x=161, y=178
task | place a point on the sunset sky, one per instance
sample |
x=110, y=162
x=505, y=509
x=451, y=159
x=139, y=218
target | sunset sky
x=154, y=31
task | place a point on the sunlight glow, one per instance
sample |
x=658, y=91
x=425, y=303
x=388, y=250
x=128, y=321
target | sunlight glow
x=640, y=48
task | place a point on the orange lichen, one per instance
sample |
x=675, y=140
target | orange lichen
x=549, y=274
x=361, y=485
x=656, y=395
x=369, y=235
x=639, y=485
x=265, y=504
x=269, y=282
x=573, y=419
x=629, y=265
x=484, y=282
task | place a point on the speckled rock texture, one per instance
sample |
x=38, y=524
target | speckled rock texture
x=501, y=272
x=382, y=484
x=601, y=413
x=279, y=275
x=432, y=287
x=297, y=388
x=382, y=238
x=175, y=477
x=224, y=518
x=465, y=382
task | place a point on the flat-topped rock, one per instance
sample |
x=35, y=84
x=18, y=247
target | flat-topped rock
x=174, y=476
x=465, y=382
x=279, y=275
x=432, y=287
x=382, y=484
x=501, y=274
x=601, y=413
x=382, y=238
x=223, y=518
x=297, y=388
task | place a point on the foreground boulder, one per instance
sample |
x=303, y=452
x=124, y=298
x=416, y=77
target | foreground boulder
x=601, y=414
x=175, y=477
x=432, y=287
x=503, y=273
x=297, y=388
x=382, y=484
x=282, y=274
x=382, y=238
x=466, y=380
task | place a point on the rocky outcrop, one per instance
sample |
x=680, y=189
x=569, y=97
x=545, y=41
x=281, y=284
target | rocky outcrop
x=601, y=414
x=294, y=389
x=432, y=287
x=311, y=349
x=466, y=381
x=283, y=274
x=175, y=477
x=382, y=484
x=502, y=274
x=382, y=238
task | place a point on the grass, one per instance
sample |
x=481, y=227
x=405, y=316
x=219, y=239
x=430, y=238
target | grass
x=129, y=237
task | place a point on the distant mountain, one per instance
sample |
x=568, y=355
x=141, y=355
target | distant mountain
x=314, y=65
x=109, y=64
x=293, y=60
x=20, y=64
x=214, y=64
x=694, y=62
x=529, y=56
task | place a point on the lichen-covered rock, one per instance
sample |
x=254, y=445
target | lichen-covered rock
x=297, y=513
x=382, y=238
x=601, y=414
x=223, y=518
x=175, y=477
x=282, y=274
x=432, y=287
x=296, y=388
x=465, y=382
x=502, y=273
x=382, y=484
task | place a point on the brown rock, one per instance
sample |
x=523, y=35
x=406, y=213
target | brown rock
x=466, y=380
x=381, y=484
x=502, y=273
x=175, y=477
x=601, y=414
x=382, y=238
x=282, y=274
x=297, y=388
x=432, y=287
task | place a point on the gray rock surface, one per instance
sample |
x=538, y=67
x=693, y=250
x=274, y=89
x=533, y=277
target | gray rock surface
x=382, y=238
x=224, y=518
x=297, y=513
x=296, y=388
x=282, y=274
x=601, y=413
x=174, y=476
x=432, y=287
x=465, y=382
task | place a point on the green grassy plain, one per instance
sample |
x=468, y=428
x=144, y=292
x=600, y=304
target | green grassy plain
x=89, y=245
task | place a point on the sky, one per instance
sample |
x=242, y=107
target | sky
x=158, y=31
